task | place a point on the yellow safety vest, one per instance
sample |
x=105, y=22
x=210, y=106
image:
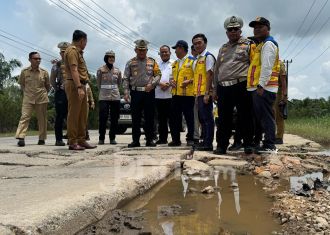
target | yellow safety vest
x=182, y=74
x=255, y=67
x=200, y=77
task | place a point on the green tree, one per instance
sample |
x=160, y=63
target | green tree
x=6, y=67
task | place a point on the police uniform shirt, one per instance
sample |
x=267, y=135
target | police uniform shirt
x=74, y=56
x=138, y=73
x=34, y=83
x=108, y=83
x=233, y=61
x=56, y=76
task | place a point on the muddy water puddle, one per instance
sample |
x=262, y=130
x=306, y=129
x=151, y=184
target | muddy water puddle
x=235, y=204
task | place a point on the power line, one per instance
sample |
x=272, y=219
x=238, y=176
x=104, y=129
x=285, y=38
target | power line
x=309, y=28
x=113, y=17
x=312, y=61
x=314, y=36
x=18, y=48
x=299, y=28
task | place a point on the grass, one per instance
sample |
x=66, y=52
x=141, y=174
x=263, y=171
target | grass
x=316, y=129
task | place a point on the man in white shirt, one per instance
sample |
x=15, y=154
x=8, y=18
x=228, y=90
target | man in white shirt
x=263, y=81
x=203, y=76
x=163, y=94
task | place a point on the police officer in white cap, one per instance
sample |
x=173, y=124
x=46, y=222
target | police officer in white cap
x=230, y=75
x=57, y=80
x=109, y=80
x=141, y=76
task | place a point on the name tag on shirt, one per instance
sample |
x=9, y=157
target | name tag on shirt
x=108, y=86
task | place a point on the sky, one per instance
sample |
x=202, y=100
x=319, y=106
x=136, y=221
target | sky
x=301, y=28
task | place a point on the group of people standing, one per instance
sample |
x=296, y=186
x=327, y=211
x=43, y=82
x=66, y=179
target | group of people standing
x=244, y=75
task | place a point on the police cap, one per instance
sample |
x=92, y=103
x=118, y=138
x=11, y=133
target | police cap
x=233, y=22
x=141, y=44
x=63, y=46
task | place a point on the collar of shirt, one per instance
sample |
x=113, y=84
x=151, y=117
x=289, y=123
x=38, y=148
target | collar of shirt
x=31, y=69
x=203, y=53
x=180, y=61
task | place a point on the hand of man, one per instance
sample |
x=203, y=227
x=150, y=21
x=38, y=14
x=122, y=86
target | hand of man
x=165, y=86
x=126, y=97
x=214, y=96
x=81, y=93
x=206, y=99
x=260, y=91
x=92, y=106
x=185, y=83
x=148, y=87
x=173, y=83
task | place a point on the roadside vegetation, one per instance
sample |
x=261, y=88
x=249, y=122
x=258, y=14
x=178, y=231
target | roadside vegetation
x=310, y=118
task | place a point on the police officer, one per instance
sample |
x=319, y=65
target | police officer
x=230, y=81
x=141, y=76
x=57, y=80
x=75, y=88
x=34, y=82
x=109, y=80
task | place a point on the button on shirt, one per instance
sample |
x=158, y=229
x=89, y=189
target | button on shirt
x=166, y=69
x=34, y=84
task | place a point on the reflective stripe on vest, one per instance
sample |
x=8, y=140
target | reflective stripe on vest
x=182, y=74
x=255, y=68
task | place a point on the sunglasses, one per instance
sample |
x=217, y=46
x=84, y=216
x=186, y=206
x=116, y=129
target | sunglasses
x=234, y=29
x=36, y=58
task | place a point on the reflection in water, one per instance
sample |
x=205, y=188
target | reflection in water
x=167, y=227
x=184, y=180
x=240, y=206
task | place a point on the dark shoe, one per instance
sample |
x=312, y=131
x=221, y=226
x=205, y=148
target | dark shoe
x=248, y=150
x=265, y=149
x=196, y=142
x=174, y=144
x=151, y=144
x=190, y=142
x=65, y=136
x=278, y=141
x=101, y=142
x=76, y=147
x=235, y=146
x=220, y=151
x=41, y=142
x=134, y=145
x=87, y=145
x=21, y=142
x=161, y=142
x=59, y=143
x=113, y=142
x=204, y=148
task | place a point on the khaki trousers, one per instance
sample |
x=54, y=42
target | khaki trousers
x=41, y=112
x=278, y=118
x=77, y=114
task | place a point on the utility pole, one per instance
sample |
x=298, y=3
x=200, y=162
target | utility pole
x=287, y=62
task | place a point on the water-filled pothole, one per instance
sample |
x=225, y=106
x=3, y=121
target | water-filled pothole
x=238, y=205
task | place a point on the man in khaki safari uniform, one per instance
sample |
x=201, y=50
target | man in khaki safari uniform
x=34, y=82
x=75, y=89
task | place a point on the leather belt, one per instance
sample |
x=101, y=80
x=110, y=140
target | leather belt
x=138, y=88
x=82, y=82
x=232, y=82
x=109, y=87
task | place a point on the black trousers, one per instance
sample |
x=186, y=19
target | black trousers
x=228, y=98
x=142, y=101
x=61, y=108
x=263, y=107
x=104, y=107
x=163, y=113
x=179, y=105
